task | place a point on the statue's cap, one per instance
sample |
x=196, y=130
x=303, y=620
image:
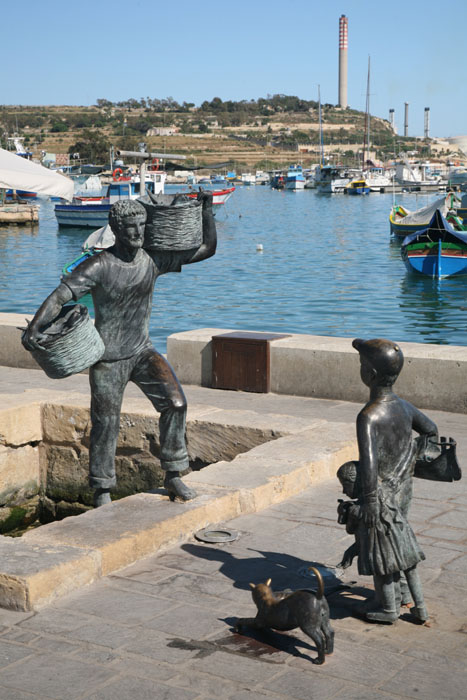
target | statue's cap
x=383, y=355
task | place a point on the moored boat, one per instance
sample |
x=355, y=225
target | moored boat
x=357, y=187
x=218, y=196
x=295, y=179
x=436, y=251
x=93, y=212
x=402, y=221
x=335, y=179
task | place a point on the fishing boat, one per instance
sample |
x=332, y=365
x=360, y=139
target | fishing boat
x=358, y=186
x=436, y=251
x=93, y=212
x=247, y=179
x=334, y=179
x=295, y=179
x=402, y=221
x=218, y=196
x=277, y=180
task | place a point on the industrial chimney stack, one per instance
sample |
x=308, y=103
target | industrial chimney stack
x=343, y=43
x=426, y=132
x=391, y=120
x=406, y=119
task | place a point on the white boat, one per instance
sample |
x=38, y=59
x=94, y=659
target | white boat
x=376, y=179
x=417, y=175
x=93, y=211
x=248, y=179
x=295, y=179
x=261, y=178
x=334, y=179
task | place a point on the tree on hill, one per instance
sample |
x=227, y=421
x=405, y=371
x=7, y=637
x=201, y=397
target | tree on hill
x=92, y=147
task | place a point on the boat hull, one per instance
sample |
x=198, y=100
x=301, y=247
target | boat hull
x=437, y=261
x=82, y=215
x=436, y=251
x=295, y=184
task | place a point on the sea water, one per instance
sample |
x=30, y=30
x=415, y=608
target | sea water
x=296, y=262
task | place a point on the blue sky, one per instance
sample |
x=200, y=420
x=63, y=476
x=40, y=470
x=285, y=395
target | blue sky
x=62, y=53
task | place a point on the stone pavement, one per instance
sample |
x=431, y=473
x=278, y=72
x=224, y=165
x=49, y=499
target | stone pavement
x=162, y=628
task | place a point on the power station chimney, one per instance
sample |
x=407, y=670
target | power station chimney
x=343, y=43
x=406, y=119
x=426, y=131
x=391, y=120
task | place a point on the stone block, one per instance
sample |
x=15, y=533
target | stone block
x=19, y=473
x=33, y=575
x=62, y=424
x=67, y=473
x=137, y=526
x=212, y=441
x=20, y=425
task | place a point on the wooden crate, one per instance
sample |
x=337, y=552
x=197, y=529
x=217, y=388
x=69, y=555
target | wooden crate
x=241, y=361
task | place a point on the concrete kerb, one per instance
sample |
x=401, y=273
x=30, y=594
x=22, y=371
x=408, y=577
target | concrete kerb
x=433, y=377
x=56, y=558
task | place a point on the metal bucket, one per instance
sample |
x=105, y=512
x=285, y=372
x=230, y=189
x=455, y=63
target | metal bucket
x=174, y=222
x=71, y=345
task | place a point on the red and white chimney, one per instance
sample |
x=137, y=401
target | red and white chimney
x=343, y=45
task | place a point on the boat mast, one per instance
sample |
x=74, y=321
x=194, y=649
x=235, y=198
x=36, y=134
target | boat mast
x=366, y=135
x=321, y=147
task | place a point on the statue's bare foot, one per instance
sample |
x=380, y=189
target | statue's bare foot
x=101, y=497
x=177, y=489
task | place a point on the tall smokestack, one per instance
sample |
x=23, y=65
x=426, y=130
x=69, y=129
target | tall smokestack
x=343, y=26
x=426, y=131
x=406, y=119
x=391, y=120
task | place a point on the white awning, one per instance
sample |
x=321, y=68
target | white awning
x=21, y=174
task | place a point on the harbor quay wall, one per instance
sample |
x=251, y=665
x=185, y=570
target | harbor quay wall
x=433, y=377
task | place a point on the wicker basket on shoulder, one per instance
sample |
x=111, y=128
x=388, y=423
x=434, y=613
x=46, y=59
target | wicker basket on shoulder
x=174, y=222
x=72, y=343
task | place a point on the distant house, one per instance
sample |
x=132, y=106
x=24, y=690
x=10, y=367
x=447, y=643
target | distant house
x=162, y=131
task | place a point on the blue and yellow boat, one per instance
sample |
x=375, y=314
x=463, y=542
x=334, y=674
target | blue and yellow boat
x=437, y=251
x=403, y=222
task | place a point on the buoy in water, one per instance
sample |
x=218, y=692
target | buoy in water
x=259, y=247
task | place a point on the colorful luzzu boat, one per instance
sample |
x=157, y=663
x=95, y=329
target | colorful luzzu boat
x=404, y=222
x=437, y=251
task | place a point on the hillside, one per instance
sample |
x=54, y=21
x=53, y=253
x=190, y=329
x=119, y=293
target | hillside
x=262, y=133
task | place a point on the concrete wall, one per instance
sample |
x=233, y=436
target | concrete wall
x=434, y=376
x=12, y=353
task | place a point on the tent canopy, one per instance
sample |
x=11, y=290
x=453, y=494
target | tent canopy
x=20, y=174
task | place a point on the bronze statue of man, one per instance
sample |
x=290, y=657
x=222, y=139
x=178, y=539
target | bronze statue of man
x=386, y=545
x=121, y=281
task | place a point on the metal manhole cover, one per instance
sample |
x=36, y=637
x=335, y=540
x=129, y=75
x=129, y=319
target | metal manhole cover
x=216, y=536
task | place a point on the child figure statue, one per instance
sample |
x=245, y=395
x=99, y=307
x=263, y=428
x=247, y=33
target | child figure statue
x=381, y=483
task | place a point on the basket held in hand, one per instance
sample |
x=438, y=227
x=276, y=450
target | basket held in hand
x=174, y=222
x=72, y=343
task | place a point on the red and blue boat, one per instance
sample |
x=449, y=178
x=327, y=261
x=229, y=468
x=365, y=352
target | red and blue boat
x=436, y=251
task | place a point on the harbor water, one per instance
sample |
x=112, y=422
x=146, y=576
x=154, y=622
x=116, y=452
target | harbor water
x=297, y=262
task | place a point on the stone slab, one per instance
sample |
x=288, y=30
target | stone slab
x=19, y=472
x=34, y=574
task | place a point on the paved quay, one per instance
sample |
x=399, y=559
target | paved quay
x=162, y=627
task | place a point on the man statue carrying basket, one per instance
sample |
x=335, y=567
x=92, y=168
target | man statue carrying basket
x=121, y=281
